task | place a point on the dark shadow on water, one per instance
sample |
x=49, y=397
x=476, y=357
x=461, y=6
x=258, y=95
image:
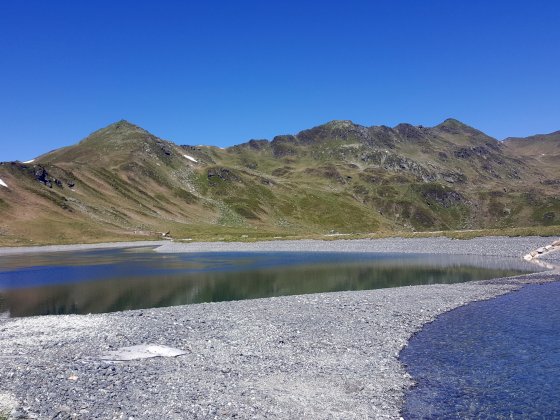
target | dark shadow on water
x=496, y=359
x=112, y=280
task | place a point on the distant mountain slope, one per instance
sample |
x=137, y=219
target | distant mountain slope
x=535, y=145
x=122, y=182
x=541, y=150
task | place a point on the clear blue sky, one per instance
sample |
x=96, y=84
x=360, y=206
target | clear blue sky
x=222, y=72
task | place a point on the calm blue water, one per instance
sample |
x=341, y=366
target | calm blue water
x=117, y=279
x=493, y=359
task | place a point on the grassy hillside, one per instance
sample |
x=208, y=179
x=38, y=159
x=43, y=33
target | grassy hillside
x=123, y=183
x=542, y=150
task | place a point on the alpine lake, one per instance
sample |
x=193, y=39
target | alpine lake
x=109, y=280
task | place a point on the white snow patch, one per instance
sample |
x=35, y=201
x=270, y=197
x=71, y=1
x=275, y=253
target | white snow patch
x=190, y=158
x=3, y=183
x=29, y=161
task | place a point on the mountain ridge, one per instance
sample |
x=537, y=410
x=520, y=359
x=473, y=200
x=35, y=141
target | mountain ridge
x=123, y=182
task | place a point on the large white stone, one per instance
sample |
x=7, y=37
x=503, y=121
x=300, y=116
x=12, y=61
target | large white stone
x=141, y=351
x=7, y=404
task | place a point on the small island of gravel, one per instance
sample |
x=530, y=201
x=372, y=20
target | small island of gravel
x=332, y=355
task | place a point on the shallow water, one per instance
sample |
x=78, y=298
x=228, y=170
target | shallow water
x=117, y=279
x=492, y=359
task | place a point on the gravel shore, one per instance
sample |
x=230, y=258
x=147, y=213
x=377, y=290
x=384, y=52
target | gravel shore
x=500, y=246
x=332, y=355
x=75, y=247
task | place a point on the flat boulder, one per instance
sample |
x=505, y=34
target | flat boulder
x=141, y=351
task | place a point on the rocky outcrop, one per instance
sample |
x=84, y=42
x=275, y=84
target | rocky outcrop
x=397, y=163
x=42, y=176
x=444, y=198
x=283, y=146
x=454, y=177
x=410, y=133
x=223, y=174
x=164, y=147
x=469, y=152
x=258, y=144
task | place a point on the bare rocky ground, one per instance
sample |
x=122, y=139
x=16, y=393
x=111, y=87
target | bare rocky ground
x=553, y=257
x=500, y=246
x=77, y=247
x=332, y=355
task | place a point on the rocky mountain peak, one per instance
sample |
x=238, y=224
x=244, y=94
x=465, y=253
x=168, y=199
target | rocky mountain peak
x=118, y=130
x=453, y=125
x=340, y=124
x=113, y=143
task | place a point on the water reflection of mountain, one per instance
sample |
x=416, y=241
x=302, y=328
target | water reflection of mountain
x=180, y=279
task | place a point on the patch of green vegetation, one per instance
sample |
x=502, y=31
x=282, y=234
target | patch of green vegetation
x=228, y=217
x=186, y=196
x=126, y=191
x=339, y=212
x=441, y=206
x=496, y=208
x=422, y=219
x=547, y=211
x=387, y=191
x=242, y=209
x=200, y=182
x=54, y=198
x=114, y=181
x=153, y=172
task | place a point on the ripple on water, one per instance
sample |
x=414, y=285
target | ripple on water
x=492, y=359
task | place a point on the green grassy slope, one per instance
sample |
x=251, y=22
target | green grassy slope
x=123, y=183
x=542, y=150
